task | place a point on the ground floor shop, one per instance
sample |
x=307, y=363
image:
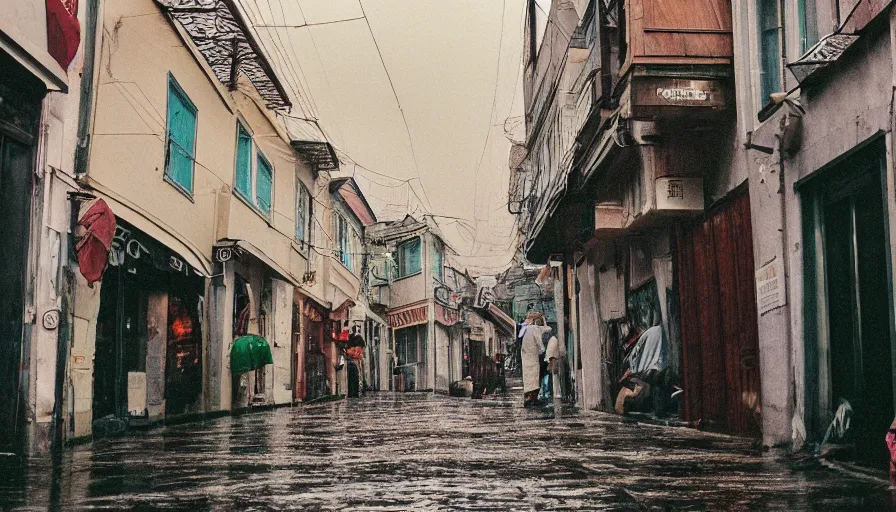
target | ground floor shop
x=251, y=296
x=149, y=350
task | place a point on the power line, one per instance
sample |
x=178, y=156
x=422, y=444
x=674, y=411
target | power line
x=492, y=113
x=292, y=57
x=311, y=24
x=320, y=60
x=300, y=97
x=400, y=109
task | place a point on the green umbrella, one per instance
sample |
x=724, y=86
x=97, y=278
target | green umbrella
x=249, y=353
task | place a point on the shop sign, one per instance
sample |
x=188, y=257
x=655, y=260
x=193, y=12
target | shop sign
x=408, y=317
x=770, y=293
x=682, y=94
x=442, y=294
x=447, y=316
x=677, y=92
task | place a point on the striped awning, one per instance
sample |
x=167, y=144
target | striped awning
x=408, y=316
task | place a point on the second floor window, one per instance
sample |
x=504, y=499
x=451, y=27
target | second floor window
x=180, y=139
x=409, y=258
x=437, y=263
x=264, y=184
x=343, y=237
x=303, y=213
x=253, y=184
x=808, y=24
x=769, y=48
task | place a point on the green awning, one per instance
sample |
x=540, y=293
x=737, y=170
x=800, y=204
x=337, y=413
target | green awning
x=249, y=353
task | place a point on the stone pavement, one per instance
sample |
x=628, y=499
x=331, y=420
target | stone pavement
x=429, y=452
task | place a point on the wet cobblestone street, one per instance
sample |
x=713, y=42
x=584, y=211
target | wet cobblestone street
x=428, y=452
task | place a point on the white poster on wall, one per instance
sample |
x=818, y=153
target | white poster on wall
x=770, y=293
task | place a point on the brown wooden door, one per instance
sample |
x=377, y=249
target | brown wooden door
x=719, y=333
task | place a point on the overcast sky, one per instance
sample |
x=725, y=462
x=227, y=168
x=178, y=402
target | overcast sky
x=455, y=67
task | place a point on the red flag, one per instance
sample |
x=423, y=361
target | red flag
x=98, y=226
x=63, y=30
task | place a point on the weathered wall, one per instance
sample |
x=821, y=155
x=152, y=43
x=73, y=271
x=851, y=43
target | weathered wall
x=281, y=341
x=408, y=290
x=127, y=158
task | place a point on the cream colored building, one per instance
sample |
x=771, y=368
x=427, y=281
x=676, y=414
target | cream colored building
x=224, y=223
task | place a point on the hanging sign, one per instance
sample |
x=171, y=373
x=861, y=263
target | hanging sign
x=446, y=316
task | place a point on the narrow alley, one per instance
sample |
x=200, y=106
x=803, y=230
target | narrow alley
x=427, y=452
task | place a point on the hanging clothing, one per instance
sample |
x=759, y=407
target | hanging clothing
x=651, y=352
x=96, y=228
x=63, y=31
x=531, y=350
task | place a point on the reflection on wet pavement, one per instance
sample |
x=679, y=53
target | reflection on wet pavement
x=426, y=452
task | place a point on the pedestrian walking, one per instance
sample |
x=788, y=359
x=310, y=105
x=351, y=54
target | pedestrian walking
x=532, y=349
x=554, y=355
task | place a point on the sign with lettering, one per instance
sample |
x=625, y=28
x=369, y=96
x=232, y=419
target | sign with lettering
x=657, y=94
x=682, y=94
x=770, y=282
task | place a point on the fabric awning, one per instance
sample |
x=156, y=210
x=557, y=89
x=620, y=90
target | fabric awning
x=408, y=316
x=163, y=234
x=92, y=247
x=249, y=353
x=503, y=320
x=343, y=311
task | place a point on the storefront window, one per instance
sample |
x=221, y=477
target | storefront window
x=406, y=345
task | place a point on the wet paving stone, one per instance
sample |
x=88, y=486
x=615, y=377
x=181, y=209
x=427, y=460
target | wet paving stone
x=428, y=452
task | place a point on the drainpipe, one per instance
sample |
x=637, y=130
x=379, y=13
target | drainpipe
x=85, y=107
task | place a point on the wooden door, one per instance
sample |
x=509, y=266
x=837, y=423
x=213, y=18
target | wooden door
x=719, y=332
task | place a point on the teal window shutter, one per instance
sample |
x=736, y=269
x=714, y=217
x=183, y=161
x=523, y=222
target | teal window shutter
x=409, y=258
x=264, y=184
x=243, y=176
x=181, y=137
x=302, y=211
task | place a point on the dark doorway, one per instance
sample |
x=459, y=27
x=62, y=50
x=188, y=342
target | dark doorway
x=354, y=380
x=20, y=103
x=719, y=329
x=317, y=384
x=851, y=215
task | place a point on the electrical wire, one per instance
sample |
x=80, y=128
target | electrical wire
x=397, y=101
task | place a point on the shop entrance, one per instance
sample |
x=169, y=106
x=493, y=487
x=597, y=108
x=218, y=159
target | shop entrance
x=850, y=351
x=148, y=337
x=317, y=382
x=719, y=329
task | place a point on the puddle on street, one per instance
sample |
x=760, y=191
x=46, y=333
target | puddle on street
x=426, y=452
